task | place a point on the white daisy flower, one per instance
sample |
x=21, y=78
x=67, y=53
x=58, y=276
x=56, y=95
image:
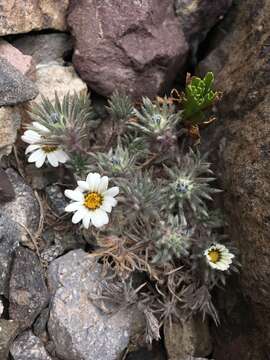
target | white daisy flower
x=92, y=201
x=218, y=257
x=40, y=153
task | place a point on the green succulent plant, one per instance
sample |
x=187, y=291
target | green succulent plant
x=199, y=95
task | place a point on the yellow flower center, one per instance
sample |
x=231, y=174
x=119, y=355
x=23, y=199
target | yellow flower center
x=93, y=200
x=214, y=256
x=48, y=149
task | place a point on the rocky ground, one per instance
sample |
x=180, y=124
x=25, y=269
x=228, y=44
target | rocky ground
x=47, y=279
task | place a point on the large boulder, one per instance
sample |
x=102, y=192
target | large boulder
x=242, y=134
x=78, y=328
x=136, y=46
x=22, y=16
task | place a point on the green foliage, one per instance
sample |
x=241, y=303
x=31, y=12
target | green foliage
x=120, y=107
x=68, y=121
x=199, y=95
x=155, y=120
x=116, y=162
x=144, y=199
x=175, y=240
x=190, y=183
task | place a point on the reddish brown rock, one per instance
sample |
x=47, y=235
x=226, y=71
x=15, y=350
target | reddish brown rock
x=134, y=46
x=24, y=63
x=242, y=133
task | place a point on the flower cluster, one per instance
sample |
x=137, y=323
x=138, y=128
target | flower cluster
x=163, y=223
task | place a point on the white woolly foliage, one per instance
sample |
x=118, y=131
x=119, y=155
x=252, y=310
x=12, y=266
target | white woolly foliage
x=153, y=248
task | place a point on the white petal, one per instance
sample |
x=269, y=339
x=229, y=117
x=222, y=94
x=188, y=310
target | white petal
x=79, y=215
x=86, y=220
x=221, y=267
x=73, y=206
x=103, y=184
x=38, y=126
x=62, y=157
x=75, y=195
x=31, y=148
x=108, y=203
x=99, y=218
x=220, y=247
x=214, y=266
x=31, y=137
x=37, y=155
x=112, y=191
x=52, y=159
x=83, y=185
x=40, y=161
x=93, y=180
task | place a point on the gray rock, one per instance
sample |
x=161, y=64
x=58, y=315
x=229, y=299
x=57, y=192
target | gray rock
x=28, y=347
x=78, y=328
x=56, y=199
x=40, y=324
x=6, y=188
x=136, y=46
x=14, y=86
x=10, y=122
x=8, y=331
x=187, y=339
x=198, y=17
x=57, y=243
x=45, y=48
x=51, y=253
x=10, y=235
x=24, y=209
x=28, y=293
